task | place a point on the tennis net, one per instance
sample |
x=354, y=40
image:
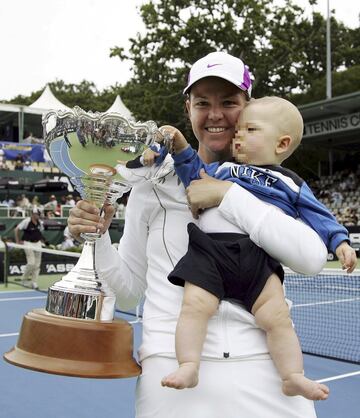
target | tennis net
x=52, y=265
x=326, y=313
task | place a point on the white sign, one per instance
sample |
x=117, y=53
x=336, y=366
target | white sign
x=332, y=125
x=16, y=270
x=58, y=268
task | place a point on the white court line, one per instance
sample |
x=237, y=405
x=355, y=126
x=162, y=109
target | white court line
x=3, y=292
x=22, y=298
x=13, y=334
x=340, y=376
x=326, y=302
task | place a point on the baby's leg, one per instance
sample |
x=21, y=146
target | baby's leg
x=197, y=308
x=272, y=315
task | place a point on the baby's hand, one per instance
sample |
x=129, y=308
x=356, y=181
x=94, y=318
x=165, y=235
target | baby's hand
x=347, y=257
x=177, y=140
x=149, y=157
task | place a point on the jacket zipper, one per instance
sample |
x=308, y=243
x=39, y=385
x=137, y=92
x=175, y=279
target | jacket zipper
x=224, y=330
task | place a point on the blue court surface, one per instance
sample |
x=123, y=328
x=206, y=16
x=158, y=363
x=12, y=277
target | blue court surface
x=28, y=394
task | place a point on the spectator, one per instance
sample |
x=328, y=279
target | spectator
x=2, y=156
x=19, y=162
x=8, y=202
x=62, y=200
x=343, y=186
x=49, y=214
x=27, y=166
x=36, y=204
x=324, y=193
x=17, y=210
x=52, y=204
x=3, y=165
x=19, y=165
x=337, y=198
x=352, y=181
x=23, y=202
x=70, y=200
x=354, y=203
x=349, y=217
x=32, y=228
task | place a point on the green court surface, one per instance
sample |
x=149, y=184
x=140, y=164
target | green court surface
x=44, y=282
x=85, y=156
x=333, y=265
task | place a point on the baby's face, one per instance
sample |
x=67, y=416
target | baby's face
x=255, y=137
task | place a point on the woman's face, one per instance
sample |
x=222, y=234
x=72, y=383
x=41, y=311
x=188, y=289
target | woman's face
x=214, y=107
x=256, y=136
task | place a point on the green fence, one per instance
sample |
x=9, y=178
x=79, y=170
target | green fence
x=54, y=231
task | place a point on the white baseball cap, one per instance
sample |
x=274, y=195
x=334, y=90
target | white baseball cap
x=222, y=65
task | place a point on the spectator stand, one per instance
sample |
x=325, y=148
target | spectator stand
x=341, y=194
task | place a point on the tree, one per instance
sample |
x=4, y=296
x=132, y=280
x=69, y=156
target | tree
x=284, y=48
x=343, y=82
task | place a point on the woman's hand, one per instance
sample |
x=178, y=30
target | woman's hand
x=177, y=140
x=149, y=157
x=206, y=193
x=85, y=218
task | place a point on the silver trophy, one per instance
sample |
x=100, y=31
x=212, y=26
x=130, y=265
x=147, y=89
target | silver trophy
x=80, y=307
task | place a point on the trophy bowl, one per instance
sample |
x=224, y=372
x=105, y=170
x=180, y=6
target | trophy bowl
x=76, y=334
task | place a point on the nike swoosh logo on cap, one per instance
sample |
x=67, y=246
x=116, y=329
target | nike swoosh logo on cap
x=212, y=65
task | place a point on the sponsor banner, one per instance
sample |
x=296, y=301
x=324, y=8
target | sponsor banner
x=32, y=152
x=17, y=269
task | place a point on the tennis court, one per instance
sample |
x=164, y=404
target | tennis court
x=38, y=395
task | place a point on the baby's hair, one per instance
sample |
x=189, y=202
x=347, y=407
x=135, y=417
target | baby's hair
x=289, y=117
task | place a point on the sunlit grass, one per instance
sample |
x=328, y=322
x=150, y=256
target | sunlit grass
x=44, y=282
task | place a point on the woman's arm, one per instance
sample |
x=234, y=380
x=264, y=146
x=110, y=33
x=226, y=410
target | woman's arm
x=124, y=270
x=288, y=240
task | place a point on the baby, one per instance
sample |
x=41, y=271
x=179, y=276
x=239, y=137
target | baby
x=230, y=266
x=219, y=266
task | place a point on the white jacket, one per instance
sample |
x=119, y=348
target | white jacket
x=155, y=238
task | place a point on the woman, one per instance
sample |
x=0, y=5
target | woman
x=238, y=378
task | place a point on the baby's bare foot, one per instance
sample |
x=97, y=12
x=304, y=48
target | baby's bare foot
x=186, y=376
x=298, y=384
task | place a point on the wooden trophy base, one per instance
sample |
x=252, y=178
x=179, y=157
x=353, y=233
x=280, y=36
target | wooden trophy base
x=82, y=348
